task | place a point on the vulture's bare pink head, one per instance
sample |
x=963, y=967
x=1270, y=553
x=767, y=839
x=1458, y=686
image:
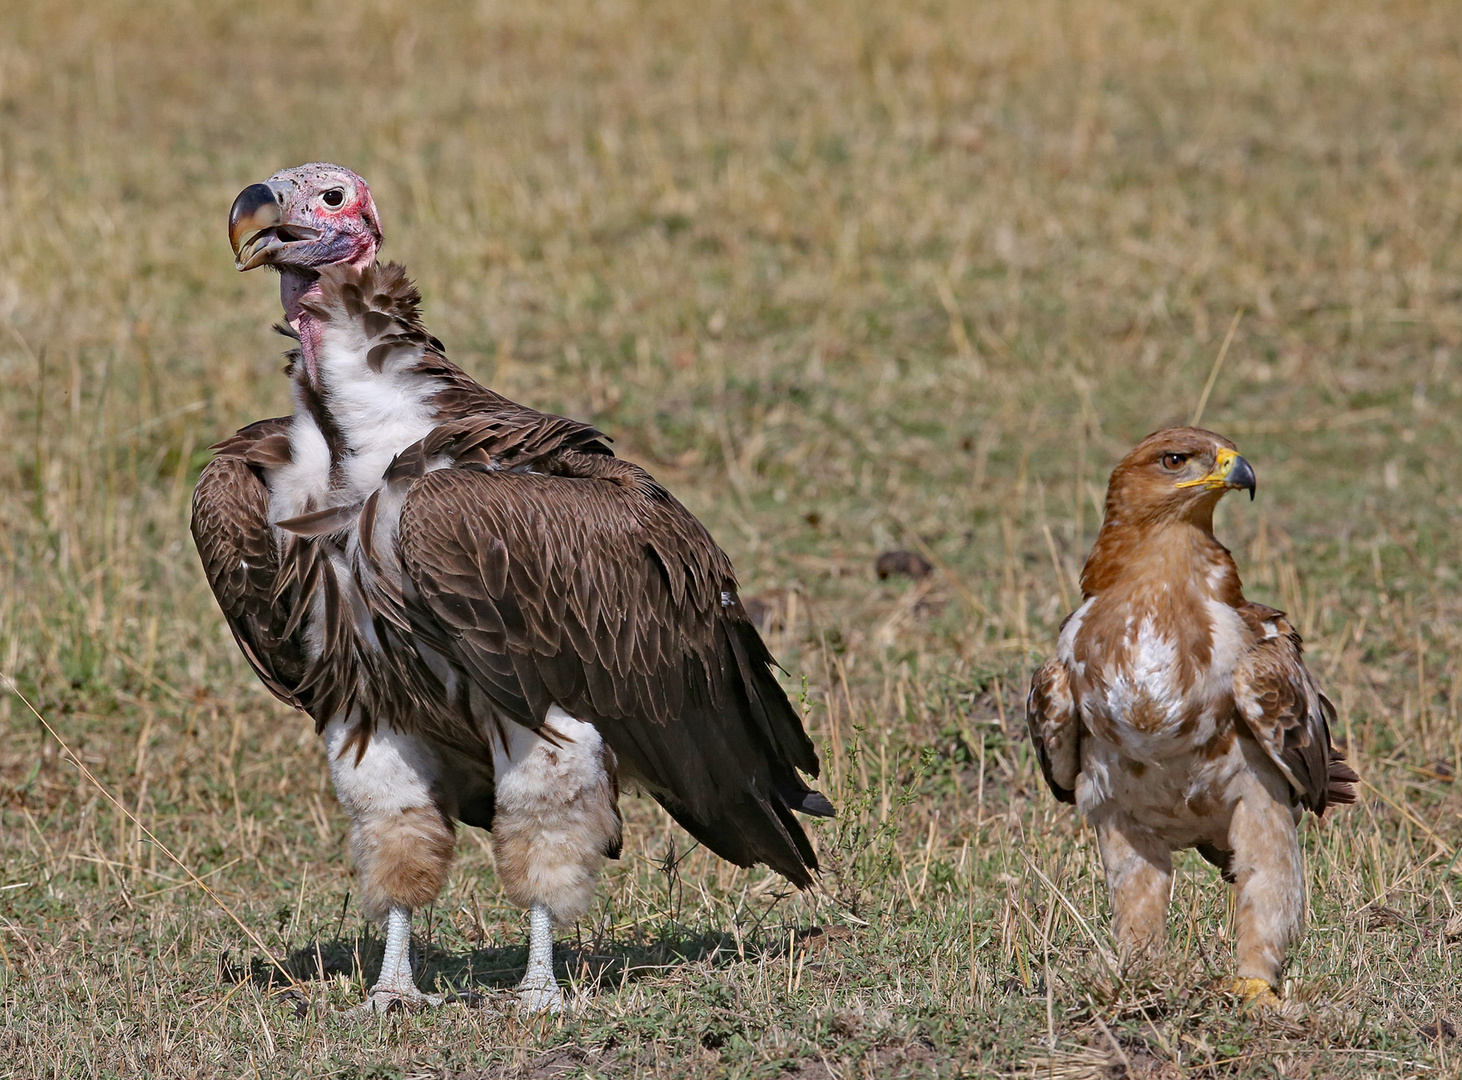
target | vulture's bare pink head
x=305, y=218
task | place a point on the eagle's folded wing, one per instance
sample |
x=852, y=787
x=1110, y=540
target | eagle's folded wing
x=1288, y=715
x=1055, y=726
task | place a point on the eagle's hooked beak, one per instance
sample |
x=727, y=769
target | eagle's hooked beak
x=1230, y=471
x=257, y=228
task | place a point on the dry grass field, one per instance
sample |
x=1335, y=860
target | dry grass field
x=848, y=277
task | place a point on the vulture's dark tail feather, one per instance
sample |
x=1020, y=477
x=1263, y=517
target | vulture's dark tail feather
x=812, y=802
x=747, y=831
x=751, y=820
x=1340, y=781
x=778, y=720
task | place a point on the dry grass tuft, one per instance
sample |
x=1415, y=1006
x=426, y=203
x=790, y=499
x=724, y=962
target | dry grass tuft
x=850, y=278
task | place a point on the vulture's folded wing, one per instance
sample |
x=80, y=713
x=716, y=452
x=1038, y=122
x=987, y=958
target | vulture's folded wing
x=231, y=529
x=1055, y=726
x=595, y=590
x=1287, y=713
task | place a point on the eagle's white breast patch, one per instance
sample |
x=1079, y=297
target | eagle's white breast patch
x=1148, y=686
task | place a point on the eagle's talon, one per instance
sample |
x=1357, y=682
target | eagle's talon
x=1255, y=993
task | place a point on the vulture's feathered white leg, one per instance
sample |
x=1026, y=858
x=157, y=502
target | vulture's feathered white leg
x=539, y=992
x=556, y=821
x=396, y=986
x=401, y=840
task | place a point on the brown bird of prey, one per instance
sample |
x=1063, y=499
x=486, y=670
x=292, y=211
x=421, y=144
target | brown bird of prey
x=1177, y=714
x=490, y=617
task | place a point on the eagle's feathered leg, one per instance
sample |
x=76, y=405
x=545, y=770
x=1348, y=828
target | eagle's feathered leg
x=1139, y=870
x=1269, y=884
x=397, y=986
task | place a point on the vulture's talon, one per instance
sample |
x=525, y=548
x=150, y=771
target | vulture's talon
x=384, y=1000
x=539, y=999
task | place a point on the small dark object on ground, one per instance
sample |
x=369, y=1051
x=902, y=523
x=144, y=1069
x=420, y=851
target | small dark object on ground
x=1439, y=1029
x=902, y=563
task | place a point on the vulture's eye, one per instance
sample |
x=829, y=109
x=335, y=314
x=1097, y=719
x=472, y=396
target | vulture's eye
x=1174, y=462
x=334, y=198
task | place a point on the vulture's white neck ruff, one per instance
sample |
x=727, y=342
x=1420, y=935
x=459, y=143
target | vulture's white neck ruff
x=350, y=419
x=378, y=413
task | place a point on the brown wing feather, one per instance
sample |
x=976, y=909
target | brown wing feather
x=1285, y=710
x=595, y=590
x=1055, y=726
x=384, y=303
x=231, y=530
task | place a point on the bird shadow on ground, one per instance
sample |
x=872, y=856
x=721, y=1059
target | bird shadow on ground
x=594, y=965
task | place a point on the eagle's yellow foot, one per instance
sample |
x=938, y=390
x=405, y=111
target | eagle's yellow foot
x=1254, y=992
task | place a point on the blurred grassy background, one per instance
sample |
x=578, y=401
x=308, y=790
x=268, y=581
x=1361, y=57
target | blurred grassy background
x=847, y=277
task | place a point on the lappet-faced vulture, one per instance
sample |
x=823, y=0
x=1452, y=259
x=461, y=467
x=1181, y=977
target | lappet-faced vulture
x=490, y=617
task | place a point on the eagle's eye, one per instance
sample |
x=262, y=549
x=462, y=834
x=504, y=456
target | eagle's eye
x=1174, y=462
x=334, y=198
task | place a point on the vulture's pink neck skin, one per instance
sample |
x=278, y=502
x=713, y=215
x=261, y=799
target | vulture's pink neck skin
x=295, y=286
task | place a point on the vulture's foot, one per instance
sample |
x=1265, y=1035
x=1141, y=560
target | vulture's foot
x=384, y=998
x=396, y=988
x=538, y=995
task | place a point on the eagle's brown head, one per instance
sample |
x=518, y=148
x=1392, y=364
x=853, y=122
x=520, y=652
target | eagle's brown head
x=304, y=218
x=1159, y=494
x=1176, y=474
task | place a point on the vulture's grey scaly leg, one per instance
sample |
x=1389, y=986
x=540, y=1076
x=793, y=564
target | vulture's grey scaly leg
x=396, y=985
x=539, y=992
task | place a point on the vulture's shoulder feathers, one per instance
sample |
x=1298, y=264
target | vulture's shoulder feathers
x=589, y=586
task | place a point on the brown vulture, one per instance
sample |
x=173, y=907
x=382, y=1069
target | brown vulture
x=1177, y=714
x=490, y=617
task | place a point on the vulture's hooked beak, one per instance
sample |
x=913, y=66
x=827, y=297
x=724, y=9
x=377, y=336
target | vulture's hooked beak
x=258, y=229
x=1230, y=471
